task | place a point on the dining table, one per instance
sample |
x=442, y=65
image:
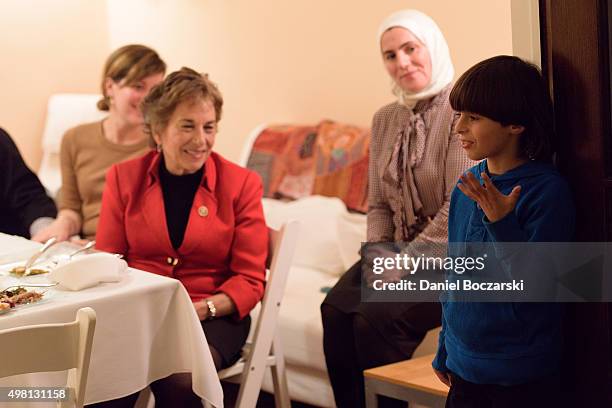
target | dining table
x=146, y=329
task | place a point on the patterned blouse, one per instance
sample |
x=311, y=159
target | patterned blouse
x=415, y=162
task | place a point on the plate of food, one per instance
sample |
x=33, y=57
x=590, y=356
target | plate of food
x=18, y=296
x=17, y=270
x=20, y=271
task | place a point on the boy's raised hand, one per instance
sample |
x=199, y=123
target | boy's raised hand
x=494, y=204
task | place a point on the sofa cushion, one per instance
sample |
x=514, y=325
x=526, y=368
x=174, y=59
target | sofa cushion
x=317, y=245
x=329, y=159
x=352, y=230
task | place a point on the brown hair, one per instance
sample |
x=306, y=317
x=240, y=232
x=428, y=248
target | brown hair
x=510, y=91
x=130, y=64
x=182, y=85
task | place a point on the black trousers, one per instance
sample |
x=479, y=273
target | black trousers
x=542, y=393
x=358, y=336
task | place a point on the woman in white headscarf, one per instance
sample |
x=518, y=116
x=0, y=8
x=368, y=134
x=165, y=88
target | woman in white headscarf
x=414, y=164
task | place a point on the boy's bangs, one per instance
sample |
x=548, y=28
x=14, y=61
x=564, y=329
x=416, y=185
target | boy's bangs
x=482, y=93
x=464, y=96
x=493, y=88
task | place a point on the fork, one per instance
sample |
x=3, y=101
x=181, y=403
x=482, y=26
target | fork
x=50, y=242
x=89, y=245
x=68, y=257
x=31, y=285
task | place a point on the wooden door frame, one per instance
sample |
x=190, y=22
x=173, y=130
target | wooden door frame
x=575, y=47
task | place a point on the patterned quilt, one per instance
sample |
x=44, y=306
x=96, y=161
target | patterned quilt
x=329, y=159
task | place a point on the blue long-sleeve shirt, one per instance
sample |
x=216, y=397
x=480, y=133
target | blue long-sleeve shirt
x=507, y=343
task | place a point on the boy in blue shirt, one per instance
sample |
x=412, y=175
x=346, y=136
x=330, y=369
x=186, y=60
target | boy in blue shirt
x=504, y=354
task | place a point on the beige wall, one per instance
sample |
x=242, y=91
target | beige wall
x=300, y=60
x=46, y=47
x=275, y=60
x=526, y=30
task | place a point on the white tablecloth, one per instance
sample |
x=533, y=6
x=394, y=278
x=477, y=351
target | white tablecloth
x=146, y=329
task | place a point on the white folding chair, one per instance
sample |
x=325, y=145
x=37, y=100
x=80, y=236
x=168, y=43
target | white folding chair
x=265, y=349
x=64, y=111
x=52, y=347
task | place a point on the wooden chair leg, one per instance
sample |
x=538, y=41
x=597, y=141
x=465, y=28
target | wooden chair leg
x=250, y=386
x=145, y=399
x=371, y=398
x=279, y=376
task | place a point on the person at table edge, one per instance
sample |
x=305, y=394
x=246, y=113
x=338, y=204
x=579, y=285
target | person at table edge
x=25, y=207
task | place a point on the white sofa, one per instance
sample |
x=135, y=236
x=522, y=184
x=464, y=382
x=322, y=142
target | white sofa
x=64, y=111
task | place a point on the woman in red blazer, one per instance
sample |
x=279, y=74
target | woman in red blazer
x=185, y=212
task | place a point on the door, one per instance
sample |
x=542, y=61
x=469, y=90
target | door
x=576, y=62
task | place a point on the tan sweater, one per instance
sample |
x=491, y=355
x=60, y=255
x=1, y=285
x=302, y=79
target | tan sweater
x=436, y=172
x=85, y=157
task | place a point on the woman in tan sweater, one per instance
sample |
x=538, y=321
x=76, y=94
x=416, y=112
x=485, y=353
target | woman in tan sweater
x=88, y=150
x=415, y=161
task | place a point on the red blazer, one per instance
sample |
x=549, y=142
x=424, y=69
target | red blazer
x=226, y=239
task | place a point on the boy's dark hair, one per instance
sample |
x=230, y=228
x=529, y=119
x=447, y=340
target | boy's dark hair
x=510, y=91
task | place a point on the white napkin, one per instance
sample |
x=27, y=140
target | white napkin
x=89, y=270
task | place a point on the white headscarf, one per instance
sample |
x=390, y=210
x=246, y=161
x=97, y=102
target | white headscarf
x=428, y=32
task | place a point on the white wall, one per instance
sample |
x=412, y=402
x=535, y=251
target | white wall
x=300, y=60
x=526, y=30
x=293, y=61
x=47, y=46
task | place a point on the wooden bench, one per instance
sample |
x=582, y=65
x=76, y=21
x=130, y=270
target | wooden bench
x=410, y=380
